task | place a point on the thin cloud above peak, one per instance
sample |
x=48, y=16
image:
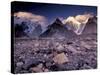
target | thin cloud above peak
x=32, y=17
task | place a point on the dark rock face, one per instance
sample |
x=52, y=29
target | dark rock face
x=91, y=26
x=19, y=30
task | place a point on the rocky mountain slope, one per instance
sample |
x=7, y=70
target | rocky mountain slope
x=58, y=30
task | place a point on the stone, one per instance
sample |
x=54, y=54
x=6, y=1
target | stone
x=45, y=56
x=54, y=67
x=60, y=58
x=85, y=45
x=22, y=57
x=57, y=43
x=38, y=68
x=78, y=48
x=19, y=64
x=48, y=64
x=17, y=70
x=36, y=44
x=40, y=65
x=19, y=44
x=24, y=71
x=30, y=62
x=94, y=42
x=60, y=47
x=86, y=67
x=68, y=43
x=88, y=38
x=46, y=70
x=72, y=49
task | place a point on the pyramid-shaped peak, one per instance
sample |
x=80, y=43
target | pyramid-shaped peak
x=58, y=21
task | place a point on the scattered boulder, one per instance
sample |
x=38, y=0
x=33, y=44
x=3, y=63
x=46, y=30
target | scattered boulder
x=60, y=58
x=19, y=64
x=36, y=44
x=46, y=70
x=29, y=62
x=72, y=49
x=38, y=68
x=40, y=65
x=54, y=67
x=18, y=44
x=60, y=48
x=85, y=66
x=48, y=64
x=69, y=43
x=88, y=38
x=85, y=45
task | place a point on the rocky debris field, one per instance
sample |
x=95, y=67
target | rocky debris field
x=46, y=55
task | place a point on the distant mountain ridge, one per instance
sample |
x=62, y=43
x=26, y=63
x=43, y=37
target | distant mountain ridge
x=57, y=29
x=32, y=30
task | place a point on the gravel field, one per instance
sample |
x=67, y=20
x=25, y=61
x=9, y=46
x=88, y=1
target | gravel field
x=49, y=54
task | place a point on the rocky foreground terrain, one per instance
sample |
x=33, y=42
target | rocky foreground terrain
x=49, y=54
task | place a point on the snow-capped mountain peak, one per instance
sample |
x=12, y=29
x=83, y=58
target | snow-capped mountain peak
x=78, y=23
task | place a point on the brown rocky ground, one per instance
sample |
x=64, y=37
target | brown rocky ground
x=45, y=55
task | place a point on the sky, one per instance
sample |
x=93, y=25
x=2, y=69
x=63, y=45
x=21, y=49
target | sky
x=52, y=11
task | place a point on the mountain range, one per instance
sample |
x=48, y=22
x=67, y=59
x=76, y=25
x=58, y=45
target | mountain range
x=57, y=29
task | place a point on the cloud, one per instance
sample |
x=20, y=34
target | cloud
x=32, y=17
